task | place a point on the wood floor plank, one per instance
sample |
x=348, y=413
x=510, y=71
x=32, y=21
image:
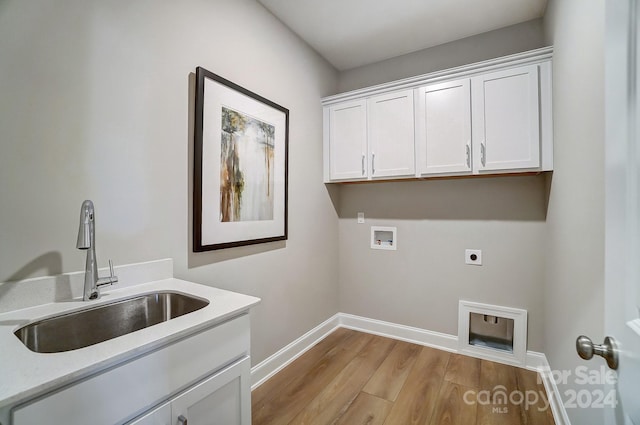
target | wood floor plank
x=337, y=396
x=463, y=370
x=494, y=374
x=327, y=385
x=300, y=366
x=366, y=409
x=391, y=375
x=536, y=409
x=451, y=408
x=417, y=399
x=498, y=383
x=288, y=401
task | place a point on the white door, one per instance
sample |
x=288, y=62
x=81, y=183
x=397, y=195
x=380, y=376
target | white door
x=622, y=211
x=506, y=120
x=443, y=126
x=391, y=134
x=348, y=140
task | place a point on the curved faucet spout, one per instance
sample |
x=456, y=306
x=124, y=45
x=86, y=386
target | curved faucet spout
x=86, y=237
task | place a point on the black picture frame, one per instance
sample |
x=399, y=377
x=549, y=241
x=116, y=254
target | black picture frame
x=241, y=149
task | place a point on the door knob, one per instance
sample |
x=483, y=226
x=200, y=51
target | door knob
x=609, y=351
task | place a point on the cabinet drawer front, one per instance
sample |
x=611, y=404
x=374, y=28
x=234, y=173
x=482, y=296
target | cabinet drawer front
x=125, y=391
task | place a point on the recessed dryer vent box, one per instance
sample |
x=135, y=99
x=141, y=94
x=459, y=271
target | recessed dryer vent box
x=493, y=332
x=490, y=331
x=384, y=238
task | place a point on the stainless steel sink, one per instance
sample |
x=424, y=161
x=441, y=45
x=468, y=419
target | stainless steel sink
x=91, y=326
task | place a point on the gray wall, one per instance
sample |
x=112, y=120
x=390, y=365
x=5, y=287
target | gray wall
x=575, y=218
x=95, y=104
x=420, y=283
x=489, y=45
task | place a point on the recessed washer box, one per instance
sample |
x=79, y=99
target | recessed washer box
x=384, y=238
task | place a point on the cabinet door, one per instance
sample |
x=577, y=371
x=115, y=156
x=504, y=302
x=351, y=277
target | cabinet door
x=506, y=124
x=391, y=134
x=224, y=398
x=348, y=140
x=443, y=125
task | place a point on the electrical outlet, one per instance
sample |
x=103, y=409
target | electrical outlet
x=473, y=257
x=360, y=217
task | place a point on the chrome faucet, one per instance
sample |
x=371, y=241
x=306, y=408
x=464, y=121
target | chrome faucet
x=87, y=240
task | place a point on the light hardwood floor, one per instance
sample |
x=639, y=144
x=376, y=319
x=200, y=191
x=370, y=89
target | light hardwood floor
x=354, y=378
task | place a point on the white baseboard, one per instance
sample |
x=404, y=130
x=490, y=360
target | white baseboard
x=555, y=401
x=267, y=368
x=279, y=360
x=419, y=336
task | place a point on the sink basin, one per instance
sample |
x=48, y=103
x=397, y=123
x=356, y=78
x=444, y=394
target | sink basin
x=91, y=326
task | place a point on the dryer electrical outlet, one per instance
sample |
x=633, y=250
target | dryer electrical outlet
x=473, y=257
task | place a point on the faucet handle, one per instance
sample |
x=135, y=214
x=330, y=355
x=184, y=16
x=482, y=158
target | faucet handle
x=110, y=280
x=111, y=269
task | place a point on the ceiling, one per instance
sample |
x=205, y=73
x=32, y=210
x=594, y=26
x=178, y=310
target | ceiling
x=352, y=33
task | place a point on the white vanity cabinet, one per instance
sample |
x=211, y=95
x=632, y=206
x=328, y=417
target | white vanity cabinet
x=222, y=398
x=492, y=117
x=201, y=378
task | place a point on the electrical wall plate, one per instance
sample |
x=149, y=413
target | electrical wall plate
x=473, y=257
x=360, y=217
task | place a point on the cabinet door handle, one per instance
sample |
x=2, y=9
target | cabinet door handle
x=468, y=156
x=373, y=163
x=483, y=154
x=363, y=164
x=182, y=420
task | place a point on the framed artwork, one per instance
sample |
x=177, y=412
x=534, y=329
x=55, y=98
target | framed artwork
x=240, y=166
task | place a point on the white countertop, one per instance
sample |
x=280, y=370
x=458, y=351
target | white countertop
x=25, y=374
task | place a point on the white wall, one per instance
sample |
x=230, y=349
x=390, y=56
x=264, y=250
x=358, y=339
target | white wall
x=575, y=219
x=95, y=105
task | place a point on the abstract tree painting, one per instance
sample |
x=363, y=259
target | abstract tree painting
x=246, y=168
x=240, y=166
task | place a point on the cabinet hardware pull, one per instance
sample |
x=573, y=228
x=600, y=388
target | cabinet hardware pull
x=182, y=420
x=363, y=164
x=373, y=163
x=483, y=155
x=468, y=157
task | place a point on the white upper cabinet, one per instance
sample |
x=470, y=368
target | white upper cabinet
x=391, y=135
x=443, y=126
x=506, y=123
x=492, y=117
x=348, y=140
